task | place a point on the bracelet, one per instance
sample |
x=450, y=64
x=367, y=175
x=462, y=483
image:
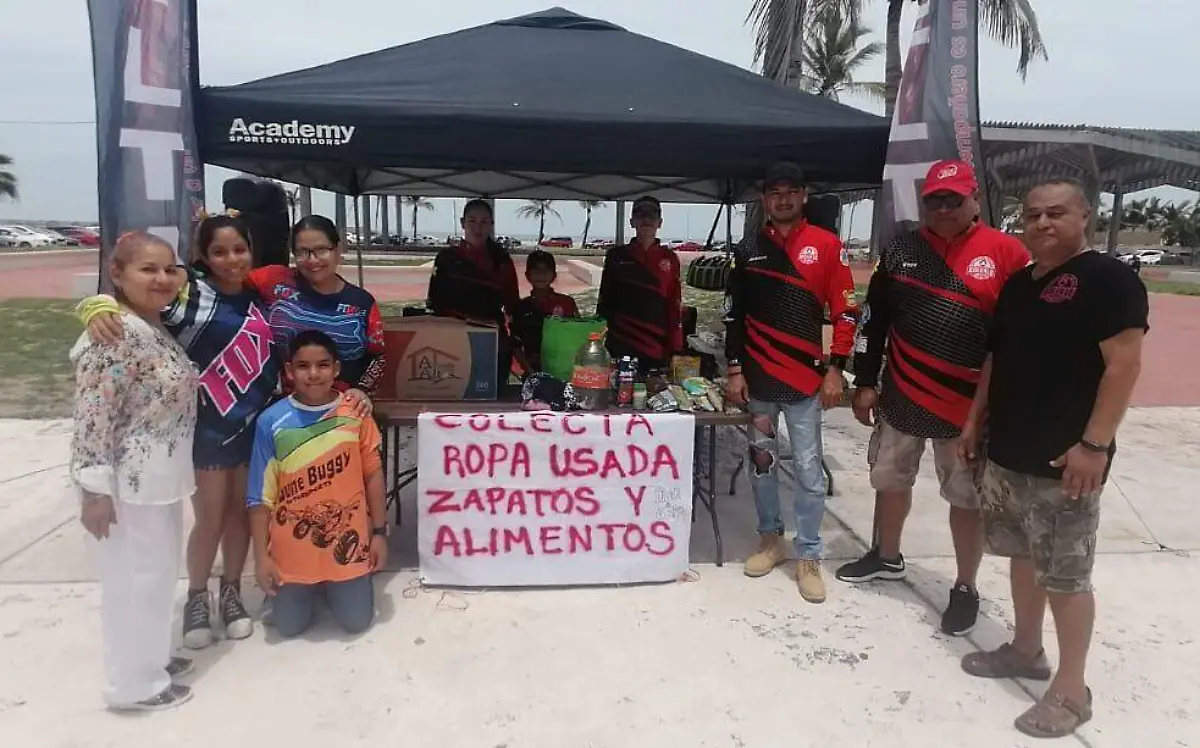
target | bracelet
x=87, y=309
x=1093, y=446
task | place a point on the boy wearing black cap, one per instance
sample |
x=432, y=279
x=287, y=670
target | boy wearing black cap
x=782, y=280
x=641, y=295
x=542, y=302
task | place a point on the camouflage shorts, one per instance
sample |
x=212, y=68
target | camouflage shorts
x=1030, y=517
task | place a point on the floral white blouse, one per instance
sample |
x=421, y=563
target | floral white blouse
x=135, y=414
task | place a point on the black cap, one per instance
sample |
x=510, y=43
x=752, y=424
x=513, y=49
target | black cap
x=784, y=172
x=646, y=201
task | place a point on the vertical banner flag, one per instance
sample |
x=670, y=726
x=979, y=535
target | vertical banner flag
x=149, y=175
x=541, y=498
x=936, y=115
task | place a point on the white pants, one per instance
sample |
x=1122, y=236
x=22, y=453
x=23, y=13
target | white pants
x=139, y=569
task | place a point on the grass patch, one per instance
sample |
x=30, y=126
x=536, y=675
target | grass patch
x=1174, y=287
x=36, y=380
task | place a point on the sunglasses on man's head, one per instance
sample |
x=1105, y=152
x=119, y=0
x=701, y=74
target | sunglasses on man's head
x=943, y=201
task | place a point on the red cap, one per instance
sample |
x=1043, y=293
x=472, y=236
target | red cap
x=950, y=175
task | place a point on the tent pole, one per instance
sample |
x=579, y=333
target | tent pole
x=729, y=226
x=620, y=232
x=358, y=244
x=339, y=215
x=364, y=228
x=712, y=231
x=305, y=201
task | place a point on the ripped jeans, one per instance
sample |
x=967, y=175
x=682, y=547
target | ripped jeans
x=804, y=431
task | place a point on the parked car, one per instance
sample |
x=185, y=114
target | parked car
x=558, y=241
x=599, y=244
x=29, y=238
x=81, y=236
x=1146, y=256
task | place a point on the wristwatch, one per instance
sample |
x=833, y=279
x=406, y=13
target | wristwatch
x=381, y=531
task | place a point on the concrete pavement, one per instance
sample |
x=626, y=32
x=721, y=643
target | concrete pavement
x=721, y=660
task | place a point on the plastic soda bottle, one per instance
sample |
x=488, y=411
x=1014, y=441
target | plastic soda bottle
x=591, y=377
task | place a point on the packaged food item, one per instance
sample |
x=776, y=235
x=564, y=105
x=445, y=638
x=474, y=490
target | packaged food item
x=717, y=398
x=655, y=381
x=684, y=367
x=663, y=402
x=695, y=385
x=639, y=396
x=681, y=396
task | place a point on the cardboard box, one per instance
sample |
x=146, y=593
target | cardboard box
x=437, y=358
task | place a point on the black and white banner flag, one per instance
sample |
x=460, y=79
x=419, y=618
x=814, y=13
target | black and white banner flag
x=150, y=176
x=936, y=115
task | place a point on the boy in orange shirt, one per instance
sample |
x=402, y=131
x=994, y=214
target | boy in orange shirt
x=316, y=497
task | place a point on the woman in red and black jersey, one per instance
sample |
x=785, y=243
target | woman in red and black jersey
x=476, y=280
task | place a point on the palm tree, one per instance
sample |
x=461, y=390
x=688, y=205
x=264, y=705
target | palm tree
x=8, y=180
x=780, y=27
x=589, y=206
x=417, y=204
x=538, y=209
x=833, y=50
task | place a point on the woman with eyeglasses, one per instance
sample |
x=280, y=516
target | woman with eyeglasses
x=477, y=280
x=313, y=296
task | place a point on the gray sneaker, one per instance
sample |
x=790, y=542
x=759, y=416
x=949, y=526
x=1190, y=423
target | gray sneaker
x=197, y=626
x=237, y=621
x=169, y=698
x=180, y=666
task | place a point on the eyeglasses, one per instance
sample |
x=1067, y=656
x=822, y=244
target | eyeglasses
x=647, y=213
x=943, y=201
x=318, y=253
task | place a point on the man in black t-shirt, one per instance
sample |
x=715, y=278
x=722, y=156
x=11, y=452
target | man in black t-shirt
x=1065, y=352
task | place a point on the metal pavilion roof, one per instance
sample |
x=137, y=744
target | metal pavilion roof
x=1116, y=159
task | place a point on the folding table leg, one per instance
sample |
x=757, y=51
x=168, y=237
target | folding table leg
x=712, y=493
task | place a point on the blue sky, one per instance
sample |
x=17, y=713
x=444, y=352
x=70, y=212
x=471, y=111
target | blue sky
x=1107, y=66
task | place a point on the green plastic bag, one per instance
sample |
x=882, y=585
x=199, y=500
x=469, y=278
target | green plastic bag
x=562, y=337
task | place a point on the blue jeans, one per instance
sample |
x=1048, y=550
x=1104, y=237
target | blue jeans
x=804, y=430
x=352, y=603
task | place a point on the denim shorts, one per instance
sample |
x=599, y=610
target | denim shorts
x=213, y=452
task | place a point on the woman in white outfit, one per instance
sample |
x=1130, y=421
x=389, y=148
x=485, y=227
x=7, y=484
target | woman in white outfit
x=131, y=457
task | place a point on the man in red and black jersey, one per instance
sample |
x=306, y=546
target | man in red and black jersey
x=477, y=281
x=782, y=281
x=929, y=305
x=641, y=294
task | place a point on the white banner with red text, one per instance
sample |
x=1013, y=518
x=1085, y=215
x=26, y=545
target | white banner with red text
x=542, y=498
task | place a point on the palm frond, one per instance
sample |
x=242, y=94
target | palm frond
x=1014, y=23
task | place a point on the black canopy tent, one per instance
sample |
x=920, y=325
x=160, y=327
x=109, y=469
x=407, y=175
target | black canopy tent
x=548, y=105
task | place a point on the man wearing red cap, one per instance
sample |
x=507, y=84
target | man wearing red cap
x=928, y=307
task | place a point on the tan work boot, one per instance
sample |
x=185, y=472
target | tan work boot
x=772, y=551
x=808, y=579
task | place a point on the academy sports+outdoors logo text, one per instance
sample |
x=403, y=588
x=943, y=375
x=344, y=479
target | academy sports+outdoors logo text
x=289, y=133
